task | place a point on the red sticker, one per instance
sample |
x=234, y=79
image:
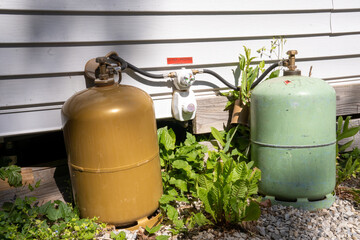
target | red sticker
x=287, y=82
x=181, y=60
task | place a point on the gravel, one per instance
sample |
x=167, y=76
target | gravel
x=340, y=221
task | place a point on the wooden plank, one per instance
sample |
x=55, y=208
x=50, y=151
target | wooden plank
x=356, y=138
x=346, y=4
x=68, y=59
x=48, y=191
x=210, y=113
x=52, y=186
x=345, y=22
x=160, y=5
x=27, y=178
x=17, y=28
x=347, y=98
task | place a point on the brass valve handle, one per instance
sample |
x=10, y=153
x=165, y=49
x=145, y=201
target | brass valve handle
x=292, y=54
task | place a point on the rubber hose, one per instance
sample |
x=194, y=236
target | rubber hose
x=220, y=78
x=135, y=69
x=122, y=62
x=269, y=69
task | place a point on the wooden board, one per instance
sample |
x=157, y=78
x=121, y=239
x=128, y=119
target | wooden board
x=356, y=138
x=347, y=98
x=161, y=6
x=210, y=113
x=87, y=28
x=211, y=110
x=54, y=184
x=345, y=22
x=346, y=4
x=67, y=60
x=27, y=178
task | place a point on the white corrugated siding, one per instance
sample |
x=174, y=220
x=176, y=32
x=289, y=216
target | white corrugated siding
x=44, y=46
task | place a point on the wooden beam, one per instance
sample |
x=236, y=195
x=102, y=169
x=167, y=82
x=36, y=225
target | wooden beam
x=347, y=99
x=210, y=113
x=54, y=184
x=356, y=138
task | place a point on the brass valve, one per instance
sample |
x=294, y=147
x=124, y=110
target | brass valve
x=292, y=54
x=104, y=75
x=290, y=64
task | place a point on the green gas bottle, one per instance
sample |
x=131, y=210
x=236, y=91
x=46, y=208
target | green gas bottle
x=293, y=139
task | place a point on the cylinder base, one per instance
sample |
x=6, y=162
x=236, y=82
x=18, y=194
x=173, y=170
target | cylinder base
x=304, y=203
x=150, y=222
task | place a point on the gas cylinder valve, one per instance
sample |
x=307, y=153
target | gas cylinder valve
x=183, y=78
x=183, y=101
x=290, y=64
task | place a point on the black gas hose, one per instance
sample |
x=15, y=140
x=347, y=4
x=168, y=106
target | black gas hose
x=125, y=64
x=220, y=78
x=269, y=69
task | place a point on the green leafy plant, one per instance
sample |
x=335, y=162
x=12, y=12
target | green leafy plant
x=235, y=141
x=23, y=219
x=188, y=178
x=119, y=236
x=180, y=166
x=247, y=71
x=347, y=168
x=12, y=174
x=227, y=193
x=247, y=74
x=347, y=164
x=343, y=131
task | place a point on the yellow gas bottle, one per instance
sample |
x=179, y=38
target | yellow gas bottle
x=113, y=154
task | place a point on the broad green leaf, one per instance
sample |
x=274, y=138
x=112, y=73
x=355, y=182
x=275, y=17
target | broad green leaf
x=346, y=124
x=162, y=237
x=53, y=214
x=203, y=182
x=252, y=212
x=349, y=133
x=166, y=138
x=345, y=146
x=203, y=195
x=172, y=213
x=339, y=125
x=217, y=135
x=166, y=199
x=239, y=189
x=190, y=139
x=200, y=219
x=178, y=223
x=181, y=184
x=153, y=229
x=228, y=105
x=242, y=63
x=274, y=74
x=229, y=138
x=180, y=164
x=173, y=192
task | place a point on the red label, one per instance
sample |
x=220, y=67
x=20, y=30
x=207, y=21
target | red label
x=181, y=60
